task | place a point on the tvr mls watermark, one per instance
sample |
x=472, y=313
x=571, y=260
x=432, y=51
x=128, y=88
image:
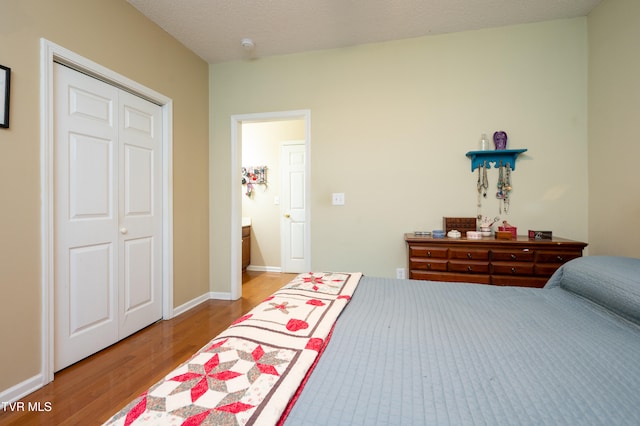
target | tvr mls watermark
x=28, y=406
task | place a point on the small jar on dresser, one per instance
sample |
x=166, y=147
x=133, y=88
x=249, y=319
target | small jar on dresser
x=518, y=262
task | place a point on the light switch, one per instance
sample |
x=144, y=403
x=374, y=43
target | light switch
x=337, y=199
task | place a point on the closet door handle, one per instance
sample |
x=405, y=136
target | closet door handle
x=123, y=230
x=287, y=215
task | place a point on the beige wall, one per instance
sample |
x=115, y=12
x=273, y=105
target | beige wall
x=614, y=139
x=261, y=142
x=390, y=126
x=115, y=35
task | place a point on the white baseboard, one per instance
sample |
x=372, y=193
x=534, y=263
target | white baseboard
x=264, y=268
x=22, y=389
x=212, y=295
x=189, y=305
x=220, y=295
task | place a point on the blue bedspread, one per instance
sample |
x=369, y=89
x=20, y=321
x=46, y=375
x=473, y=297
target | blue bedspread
x=428, y=353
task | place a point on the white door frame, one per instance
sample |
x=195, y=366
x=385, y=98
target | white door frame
x=236, y=201
x=50, y=52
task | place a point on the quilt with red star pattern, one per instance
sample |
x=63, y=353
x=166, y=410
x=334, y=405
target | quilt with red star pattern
x=248, y=373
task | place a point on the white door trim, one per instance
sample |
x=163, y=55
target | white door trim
x=50, y=52
x=236, y=202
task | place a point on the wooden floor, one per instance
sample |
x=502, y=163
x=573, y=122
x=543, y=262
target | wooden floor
x=90, y=391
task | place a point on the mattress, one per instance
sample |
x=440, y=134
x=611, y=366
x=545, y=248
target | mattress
x=409, y=352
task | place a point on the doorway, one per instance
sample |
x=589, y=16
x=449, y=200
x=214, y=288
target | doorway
x=50, y=54
x=238, y=122
x=273, y=201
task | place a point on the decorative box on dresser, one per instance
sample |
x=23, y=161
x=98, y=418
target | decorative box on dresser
x=520, y=262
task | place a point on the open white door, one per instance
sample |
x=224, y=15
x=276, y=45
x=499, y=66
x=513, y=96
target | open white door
x=293, y=208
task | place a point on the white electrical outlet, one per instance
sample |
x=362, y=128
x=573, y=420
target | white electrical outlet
x=337, y=198
x=401, y=273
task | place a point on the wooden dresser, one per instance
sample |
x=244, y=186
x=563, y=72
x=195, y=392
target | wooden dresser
x=521, y=262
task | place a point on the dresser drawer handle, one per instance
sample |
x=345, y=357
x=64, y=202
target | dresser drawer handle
x=469, y=255
x=469, y=268
x=428, y=253
x=428, y=266
x=513, y=256
x=560, y=258
x=513, y=270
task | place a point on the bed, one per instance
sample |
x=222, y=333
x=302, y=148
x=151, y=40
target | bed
x=413, y=353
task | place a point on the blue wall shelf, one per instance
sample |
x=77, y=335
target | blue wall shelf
x=478, y=158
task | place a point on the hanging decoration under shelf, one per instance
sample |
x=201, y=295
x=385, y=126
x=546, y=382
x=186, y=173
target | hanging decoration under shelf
x=253, y=175
x=504, y=187
x=483, y=184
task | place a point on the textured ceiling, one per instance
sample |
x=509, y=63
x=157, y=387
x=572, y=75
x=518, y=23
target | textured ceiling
x=213, y=29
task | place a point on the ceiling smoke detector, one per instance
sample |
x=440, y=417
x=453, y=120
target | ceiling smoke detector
x=247, y=44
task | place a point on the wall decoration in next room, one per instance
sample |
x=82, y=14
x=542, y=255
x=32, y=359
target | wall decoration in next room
x=254, y=175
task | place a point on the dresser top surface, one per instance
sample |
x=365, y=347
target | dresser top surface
x=521, y=240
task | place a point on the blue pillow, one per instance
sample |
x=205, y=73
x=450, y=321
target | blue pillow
x=612, y=282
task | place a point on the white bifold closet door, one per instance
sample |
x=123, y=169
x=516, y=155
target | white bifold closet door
x=108, y=207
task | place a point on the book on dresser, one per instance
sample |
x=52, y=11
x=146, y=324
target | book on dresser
x=519, y=262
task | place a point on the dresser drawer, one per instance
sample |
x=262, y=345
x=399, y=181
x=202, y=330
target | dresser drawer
x=524, y=255
x=556, y=256
x=428, y=252
x=512, y=268
x=546, y=269
x=468, y=278
x=470, y=267
x=450, y=277
x=469, y=254
x=428, y=264
x=519, y=281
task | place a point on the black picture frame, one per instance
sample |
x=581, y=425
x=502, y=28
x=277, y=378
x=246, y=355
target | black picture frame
x=5, y=85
